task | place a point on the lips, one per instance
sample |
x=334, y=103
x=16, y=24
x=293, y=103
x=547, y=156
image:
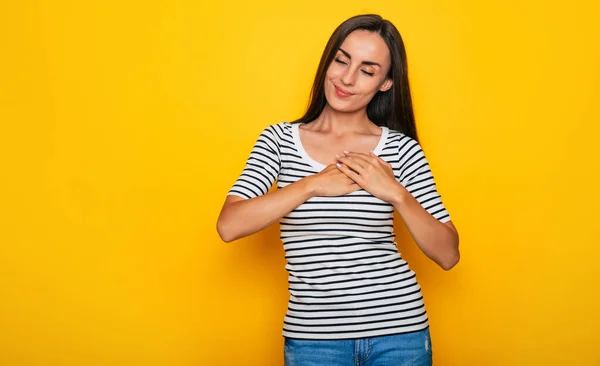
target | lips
x=342, y=93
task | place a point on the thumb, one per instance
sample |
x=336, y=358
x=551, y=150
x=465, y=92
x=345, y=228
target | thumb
x=378, y=158
x=373, y=154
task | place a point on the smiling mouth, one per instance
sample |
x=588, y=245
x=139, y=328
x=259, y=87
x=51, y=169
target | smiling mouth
x=341, y=92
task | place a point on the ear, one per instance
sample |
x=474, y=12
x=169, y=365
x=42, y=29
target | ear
x=387, y=85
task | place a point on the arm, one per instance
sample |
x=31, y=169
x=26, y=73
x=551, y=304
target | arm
x=413, y=194
x=241, y=217
x=438, y=240
x=418, y=202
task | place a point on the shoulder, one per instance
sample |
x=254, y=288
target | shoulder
x=402, y=142
x=277, y=135
x=282, y=127
x=280, y=132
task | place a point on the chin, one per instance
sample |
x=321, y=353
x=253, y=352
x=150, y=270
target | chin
x=339, y=105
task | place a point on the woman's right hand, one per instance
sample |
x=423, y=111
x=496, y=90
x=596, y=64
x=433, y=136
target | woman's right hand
x=332, y=182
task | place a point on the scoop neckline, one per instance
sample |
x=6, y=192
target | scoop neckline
x=315, y=164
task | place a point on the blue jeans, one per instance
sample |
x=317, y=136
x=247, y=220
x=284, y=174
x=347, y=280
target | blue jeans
x=408, y=349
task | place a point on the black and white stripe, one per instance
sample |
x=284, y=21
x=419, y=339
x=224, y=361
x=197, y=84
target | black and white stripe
x=346, y=277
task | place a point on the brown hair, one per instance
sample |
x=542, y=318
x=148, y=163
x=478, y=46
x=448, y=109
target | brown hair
x=392, y=108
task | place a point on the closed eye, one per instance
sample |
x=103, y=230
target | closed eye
x=340, y=61
x=344, y=63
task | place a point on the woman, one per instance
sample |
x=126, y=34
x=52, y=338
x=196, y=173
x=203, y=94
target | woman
x=341, y=171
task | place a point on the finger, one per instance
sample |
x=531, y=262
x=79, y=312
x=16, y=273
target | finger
x=346, y=159
x=353, y=164
x=364, y=159
x=349, y=172
x=352, y=153
x=380, y=159
x=329, y=167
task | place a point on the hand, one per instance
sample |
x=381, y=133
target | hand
x=372, y=173
x=332, y=182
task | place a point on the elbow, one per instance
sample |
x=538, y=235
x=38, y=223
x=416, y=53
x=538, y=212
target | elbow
x=452, y=258
x=223, y=229
x=451, y=262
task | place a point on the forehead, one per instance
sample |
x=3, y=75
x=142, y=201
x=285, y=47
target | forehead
x=365, y=45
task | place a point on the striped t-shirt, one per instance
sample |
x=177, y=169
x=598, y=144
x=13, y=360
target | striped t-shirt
x=346, y=276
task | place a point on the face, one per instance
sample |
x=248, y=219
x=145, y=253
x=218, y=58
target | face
x=358, y=71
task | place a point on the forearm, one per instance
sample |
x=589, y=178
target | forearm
x=246, y=217
x=436, y=239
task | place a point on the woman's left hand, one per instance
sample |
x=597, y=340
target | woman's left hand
x=372, y=173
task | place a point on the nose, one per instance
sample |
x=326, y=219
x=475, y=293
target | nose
x=348, y=76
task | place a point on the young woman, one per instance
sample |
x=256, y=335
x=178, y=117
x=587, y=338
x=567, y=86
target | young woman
x=341, y=171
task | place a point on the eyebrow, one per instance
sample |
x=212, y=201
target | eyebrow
x=371, y=63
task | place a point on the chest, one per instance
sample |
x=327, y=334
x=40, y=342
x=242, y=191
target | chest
x=323, y=148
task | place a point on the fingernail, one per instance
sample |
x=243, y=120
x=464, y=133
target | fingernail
x=339, y=165
x=338, y=156
x=346, y=152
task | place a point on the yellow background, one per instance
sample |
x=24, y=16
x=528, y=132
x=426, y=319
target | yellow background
x=124, y=123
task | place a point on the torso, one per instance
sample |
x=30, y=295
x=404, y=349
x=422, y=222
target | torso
x=323, y=147
x=346, y=279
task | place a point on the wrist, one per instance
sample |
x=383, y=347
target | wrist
x=308, y=186
x=399, y=195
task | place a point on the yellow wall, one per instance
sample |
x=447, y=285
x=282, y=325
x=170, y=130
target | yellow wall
x=124, y=123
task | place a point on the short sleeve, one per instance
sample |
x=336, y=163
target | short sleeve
x=262, y=167
x=417, y=178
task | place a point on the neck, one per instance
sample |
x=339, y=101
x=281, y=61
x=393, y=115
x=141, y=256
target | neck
x=340, y=123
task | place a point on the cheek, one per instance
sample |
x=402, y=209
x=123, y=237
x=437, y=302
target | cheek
x=368, y=87
x=374, y=86
x=333, y=72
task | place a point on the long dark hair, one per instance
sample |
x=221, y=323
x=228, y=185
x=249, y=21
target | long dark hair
x=392, y=108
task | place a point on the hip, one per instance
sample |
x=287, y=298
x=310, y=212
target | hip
x=411, y=348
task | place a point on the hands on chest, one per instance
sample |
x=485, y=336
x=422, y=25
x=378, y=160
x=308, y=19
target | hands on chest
x=355, y=171
x=370, y=172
